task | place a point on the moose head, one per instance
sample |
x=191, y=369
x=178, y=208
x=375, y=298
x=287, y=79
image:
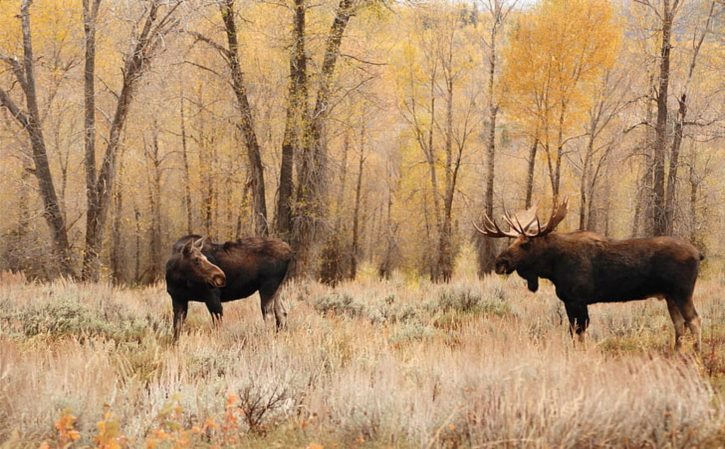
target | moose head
x=197, y=267
x=531, y=251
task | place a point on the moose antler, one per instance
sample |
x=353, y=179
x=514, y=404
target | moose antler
x=558, y=212
x=523, y=223
x=491, y=229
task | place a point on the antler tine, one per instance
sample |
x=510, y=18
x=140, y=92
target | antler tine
x=490, y=225
x=487, y=231
x=558, y=212
x=507, y=218
x=506, y=233
x=529, y=217
x=491, y=228
x=538, y=228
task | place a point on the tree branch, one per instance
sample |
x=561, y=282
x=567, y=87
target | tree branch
x=15, y=111
x=198, y=37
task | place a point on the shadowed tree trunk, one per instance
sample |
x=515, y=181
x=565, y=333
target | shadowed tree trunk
x=659, y=217
x=310, y=199
x=296, y=121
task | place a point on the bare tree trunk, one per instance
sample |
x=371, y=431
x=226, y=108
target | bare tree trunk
x=607, y=206
x=296, y=122
x=355, y=247
x=90, y=14
x=643, y=211
x=339, y=203
x=674, y=165
x=153, y=160
x=146, y=42
x=246, y=122
x=445, y=246
x=555, y=173
x=117, y=252
x=694, y=193
x=187, y=173
x=30, y=121
x=387, y=263
x=680, y=124
x=659, y=218
x=431, y=158
x=209, y=191
x=584, y=194
x=530, y=172
x=137, y=259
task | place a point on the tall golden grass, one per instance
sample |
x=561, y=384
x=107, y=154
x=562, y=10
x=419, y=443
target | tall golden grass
x=399, y=363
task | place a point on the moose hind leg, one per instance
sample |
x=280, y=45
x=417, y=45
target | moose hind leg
x=692, y=321
x=578, y=319
x=678, y=321
x=271, y=302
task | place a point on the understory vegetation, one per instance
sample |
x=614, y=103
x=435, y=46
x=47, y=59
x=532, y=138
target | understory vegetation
x=397, y=363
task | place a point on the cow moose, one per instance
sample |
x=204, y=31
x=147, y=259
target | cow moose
x=214, y=273
x=588, y=268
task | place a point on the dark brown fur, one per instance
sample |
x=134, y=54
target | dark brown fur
x=249, y=265
x=588, y=268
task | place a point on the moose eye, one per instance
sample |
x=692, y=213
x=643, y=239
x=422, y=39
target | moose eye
x=525, y=244
x=197, y=261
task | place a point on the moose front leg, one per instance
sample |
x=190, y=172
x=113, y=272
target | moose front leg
x=578, y=319
x=214, y=305
x=180, y=309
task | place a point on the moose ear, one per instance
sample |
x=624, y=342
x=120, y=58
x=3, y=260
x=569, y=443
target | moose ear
x=199, y=243
x=186, y=249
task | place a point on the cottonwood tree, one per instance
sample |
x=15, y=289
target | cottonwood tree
x=435, y=74
x=23, y=68
x=297, y=116
x=311, y=195
x=157, y=19
x=668, y=15
x=556, y=51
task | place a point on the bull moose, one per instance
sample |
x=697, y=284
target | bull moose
x=588, y=268
x=213, y=273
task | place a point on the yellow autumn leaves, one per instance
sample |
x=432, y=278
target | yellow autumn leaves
x=555, y=57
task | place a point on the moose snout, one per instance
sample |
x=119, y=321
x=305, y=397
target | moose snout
x=503, y=266
x=219, y=280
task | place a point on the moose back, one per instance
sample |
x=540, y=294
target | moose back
x=214, y=273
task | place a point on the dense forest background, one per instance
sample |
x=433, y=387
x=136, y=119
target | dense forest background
x=368, y=134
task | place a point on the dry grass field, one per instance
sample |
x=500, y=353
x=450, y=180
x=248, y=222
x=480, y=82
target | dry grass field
x=400, y=364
